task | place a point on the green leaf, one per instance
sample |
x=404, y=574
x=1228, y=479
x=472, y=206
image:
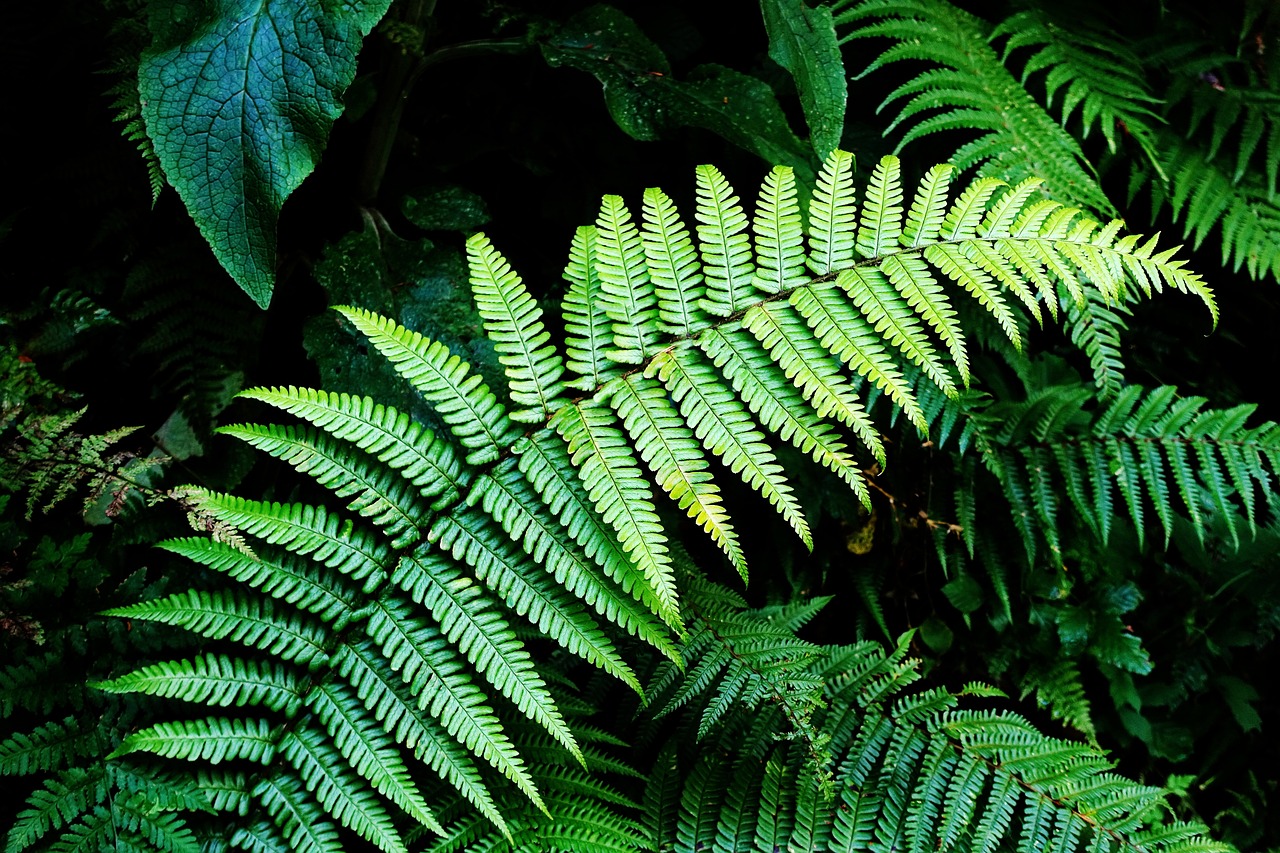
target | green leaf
x=646, y=101
x=803, y=41
x=238, y=97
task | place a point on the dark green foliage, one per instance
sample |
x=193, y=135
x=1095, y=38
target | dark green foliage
x=497, y=598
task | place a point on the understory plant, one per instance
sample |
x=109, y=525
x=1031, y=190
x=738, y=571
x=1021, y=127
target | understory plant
x=888, y=507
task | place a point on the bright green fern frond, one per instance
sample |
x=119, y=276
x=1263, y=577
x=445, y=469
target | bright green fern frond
x=463, y=401
x=376, y=493
x=621, y=495
x=626, y=293
x=232, y=615
x=723, y=426
x=215, y=680
x=298, y=817
x=588, y=331
x=673, y=266
x=507, y=500
x=672, y=453
x=212, y=740
x=545, y=463
x=777, y=403
x=723, y=245
x=832, y=216
x=779, y=234
x=781, y=331
x=393, y=704
x=369, y=751
x=471, y=622
x=427, y=462
x=409, y=642
x=305, y=530
x=441, y=683
x=513, y=321
x=527, y=589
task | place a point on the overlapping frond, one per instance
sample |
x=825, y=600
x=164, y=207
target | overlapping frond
x=1087, y=71
x=399, y=624
x=906, y=769
x=969, y=89
x=1165, y=455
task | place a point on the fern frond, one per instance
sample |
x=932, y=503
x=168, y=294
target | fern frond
x=473, y=624
x=626, y=293
x=48, y=747
x=544, y=461
x=673, y=266
x=970, y=89
x=1088, y=70
x=1202, y=196
x=404, y=626
x=242, y=618
x=621, y=495
x=1166, y=455
x=724, y=427
x=909, y=770
x=463, y=401
x=723, y=246
x=298, y=817
x=211, y=740
x=779, y=234
x=393, y=704
x=60, y=802
x=305, y=530
x=330, y=782
x=287, y=578
x=368, y=750
x=513, y=321
x=376, y=493
x=672, y=454
x=439, y=682
x=587, y=327
x=215, y=680
x=390, y=436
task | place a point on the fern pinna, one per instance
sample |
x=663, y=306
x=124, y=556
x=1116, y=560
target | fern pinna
x=395, y=628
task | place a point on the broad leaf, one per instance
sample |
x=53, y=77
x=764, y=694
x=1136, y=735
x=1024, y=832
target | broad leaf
x=238, y=98
x=803, y=41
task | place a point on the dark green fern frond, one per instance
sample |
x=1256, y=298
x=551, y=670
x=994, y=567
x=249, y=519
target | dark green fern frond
x=1204, y=196
x=909, y=770
x=127, y=105
x=128, y=37
x=971, y=90
x=1165, y=455
x=1095, y=328
x=736, y=660
x=1087, y=69
x=194, y=334
x=1059, y=689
